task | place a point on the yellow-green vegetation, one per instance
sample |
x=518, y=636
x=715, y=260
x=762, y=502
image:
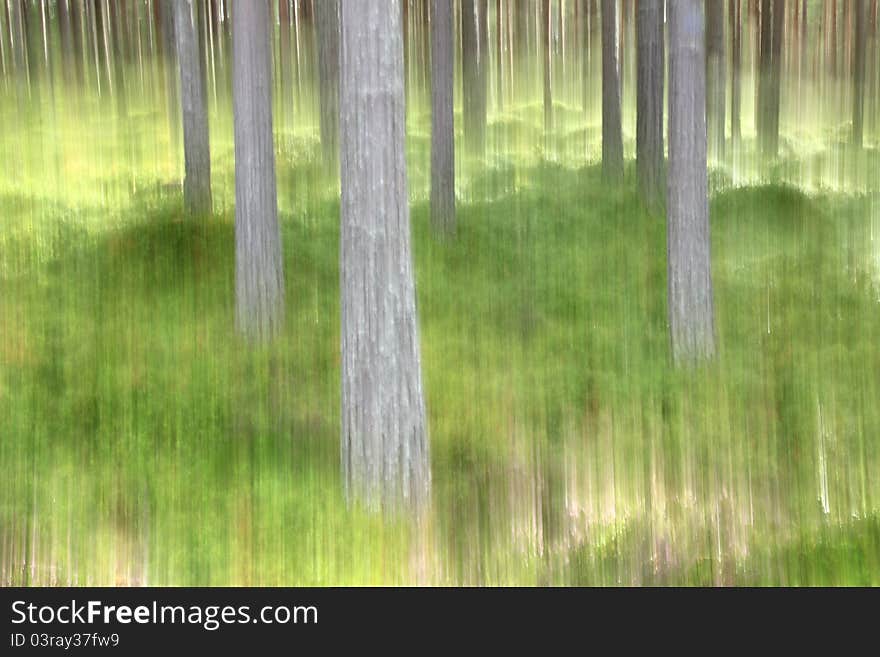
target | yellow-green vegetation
x=142, y=442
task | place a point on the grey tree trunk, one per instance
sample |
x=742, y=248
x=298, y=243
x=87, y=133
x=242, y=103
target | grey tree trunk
x=442, y=117
x=168, y=49
x=327, y=26
x=612, y=129
x=259, y=272
x=546, y=17
x=770, y=75
x=715, y=77
x=649, y=111
x=860, y=19
x=499, y=49
x=196, y=149
x=736, y=71
x=384, y=429
x=475, y=68
x=691, y=305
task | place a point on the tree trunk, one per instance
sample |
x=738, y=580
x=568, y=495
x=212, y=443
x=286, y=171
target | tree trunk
x=546, y=18
x=197, y=156
x=442, y=117
x=259, y=273
x=736, y=71
x=499, y=48
x=715, y=77
x=772, y=146
x=475, y=65
x=691, y=306
x=327, y=25
x=649, y=103
x=860, y=18
x=384, y=428
x=612, y=130
x=772, y=24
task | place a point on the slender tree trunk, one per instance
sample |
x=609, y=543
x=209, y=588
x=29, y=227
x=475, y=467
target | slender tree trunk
x=197, y=155
x=384, y=429
x=772, y=24
x=860, y=19
x=612, y=129
x=691, y=305
x=168, y=49
x=736, y=71
x=259, y=272
x=715, y=77
x=499, y=47
x=327, y=25
x=475, y=65
x=17, y=38
x=546, y=18
x=764, y=69
x=772, y=147
x=285, y=61
x=442, y=117
x=649, y=103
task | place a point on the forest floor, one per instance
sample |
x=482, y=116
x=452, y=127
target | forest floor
x=144, y=443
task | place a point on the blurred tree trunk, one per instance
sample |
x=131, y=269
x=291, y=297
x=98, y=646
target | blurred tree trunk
x=259, y=272
x=327, y=26
x=499, y=47
x=736, y=71
x=690, y=298
x=859, y=17
x=442, y=117
x=285, y=61
x=384, y=428
x=168, y=47
x=715, y=78
x=196, y=148
x=770, y=80
x=612, y=129
x=546, y=18
x=649, y=103
x=475, y=68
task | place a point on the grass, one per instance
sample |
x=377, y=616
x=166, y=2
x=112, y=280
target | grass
x=144, y=443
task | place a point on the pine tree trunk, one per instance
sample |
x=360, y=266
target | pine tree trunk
x=691, y=306
x=860, y=19
x=649, y=101
x=736, y=71
x=475, y=67
x=384, y=429
x=259, y=273
x=327, y=25
x=197, y=156
x=546, y=17
x=612, y=129
x=715, y=77
x=442, y=117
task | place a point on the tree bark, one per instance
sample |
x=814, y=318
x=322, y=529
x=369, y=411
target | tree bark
x=259, y=272
x=475, y=68
x=442, y=117
x=612, y=129
x=197, y=156
x=690, y=299
x=327, y=25
x=715, y=78
x=649, y=103
x=384, y=428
